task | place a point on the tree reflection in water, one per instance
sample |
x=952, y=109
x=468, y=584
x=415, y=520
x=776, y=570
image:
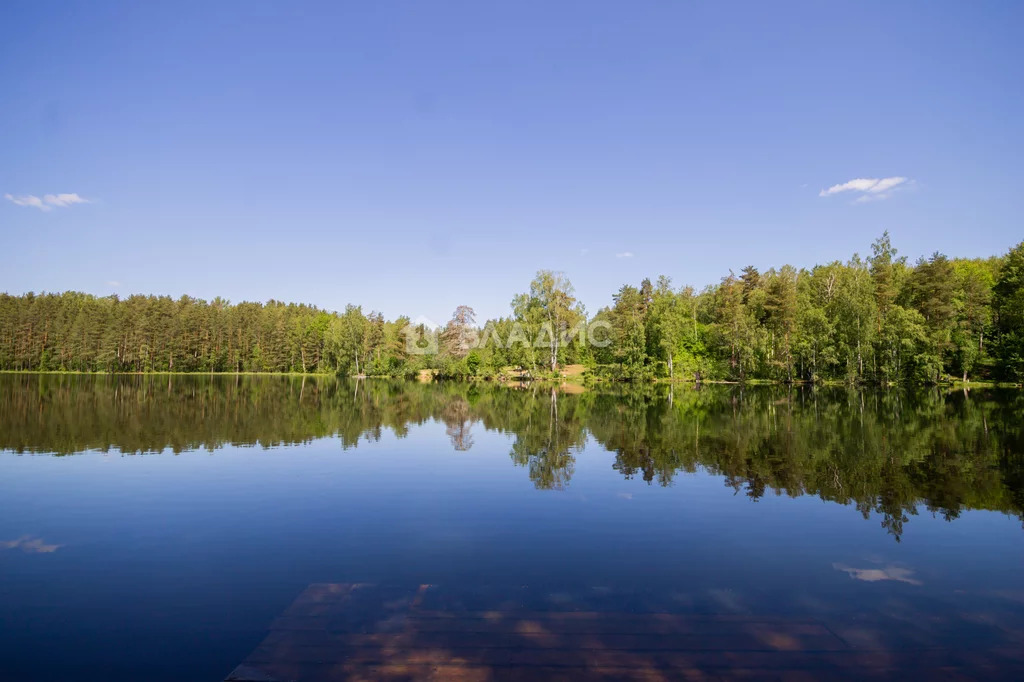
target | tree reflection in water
x=889, y=452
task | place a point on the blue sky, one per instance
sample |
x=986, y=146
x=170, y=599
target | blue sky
x=413, y=156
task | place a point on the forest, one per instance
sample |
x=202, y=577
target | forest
x=870, y=320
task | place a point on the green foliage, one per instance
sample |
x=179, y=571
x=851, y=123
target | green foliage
x=548, y=311
x=79, y=332
x=1008, y=296
x=877, y=320
x=873, y=321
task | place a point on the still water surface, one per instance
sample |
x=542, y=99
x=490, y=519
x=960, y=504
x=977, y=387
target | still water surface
x=152, y=527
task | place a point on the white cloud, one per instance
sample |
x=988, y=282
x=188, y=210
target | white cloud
x=28, y=200
x=29, y=545
x=113, y=283
x=885, y=184
x=48, y=201
x=624, y=254
x=64, y=199
x=874, y=575
x=871, y=189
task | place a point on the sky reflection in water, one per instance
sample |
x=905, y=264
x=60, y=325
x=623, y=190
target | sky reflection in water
x=723, y=500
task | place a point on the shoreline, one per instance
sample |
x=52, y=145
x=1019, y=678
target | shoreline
x=576, y=380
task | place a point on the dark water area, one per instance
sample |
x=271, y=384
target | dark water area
x=153, y=527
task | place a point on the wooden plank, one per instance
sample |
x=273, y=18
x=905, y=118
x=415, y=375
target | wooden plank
x=556, y=626
x=577, y=657
x=463, y=673
x=609, y=623
x=508, y=640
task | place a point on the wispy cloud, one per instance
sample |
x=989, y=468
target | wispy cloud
x=874, y=575
x=27, y=200
x=113, y=283
x=870, y=189
x=48, y=201
x=29, y=545
x=624, y=254
x=64, y=199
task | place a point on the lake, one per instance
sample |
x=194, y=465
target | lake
x=157, y=527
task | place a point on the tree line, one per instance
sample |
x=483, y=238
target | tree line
x=878, y=319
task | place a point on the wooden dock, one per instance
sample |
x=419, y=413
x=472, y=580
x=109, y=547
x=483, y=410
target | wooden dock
x=336, y=632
